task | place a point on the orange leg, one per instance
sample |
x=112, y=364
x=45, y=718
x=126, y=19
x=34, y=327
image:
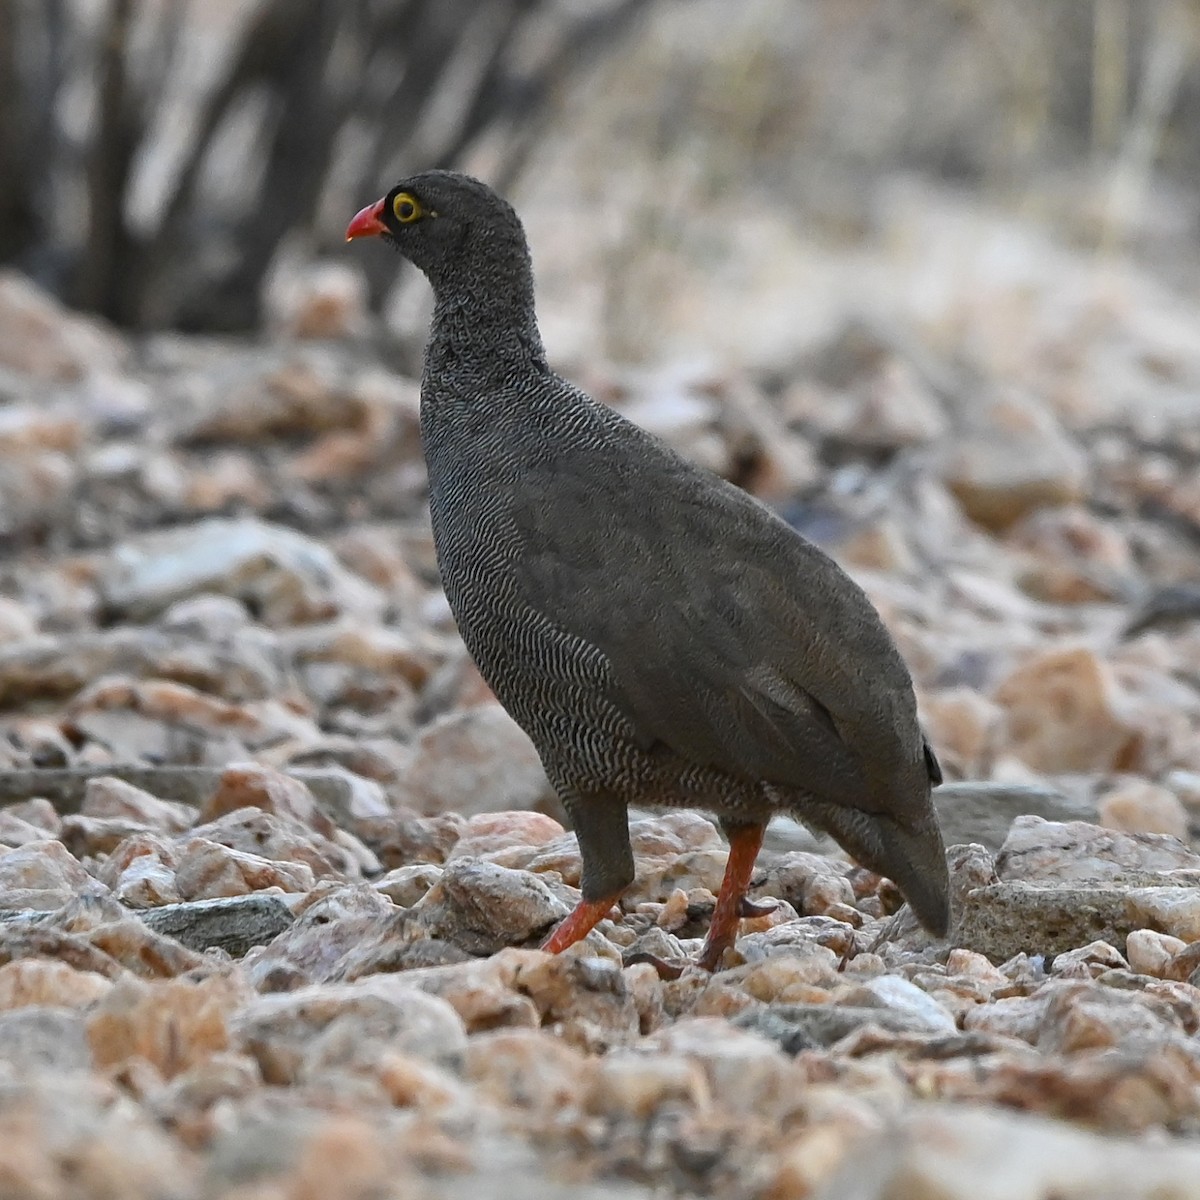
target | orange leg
x=586, y=915
x=744, y=843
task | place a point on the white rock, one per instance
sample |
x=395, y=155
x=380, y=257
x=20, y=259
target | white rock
x=898, y=994
x=287, y=577
x=967, y=1153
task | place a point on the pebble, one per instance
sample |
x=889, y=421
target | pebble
x=1062, y=713
x=1014, y=460
x=477, y=760
x=282, y=1032
x=1150, y=952
x=1138, y=806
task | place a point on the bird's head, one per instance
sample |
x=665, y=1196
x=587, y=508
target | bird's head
x=446, y=224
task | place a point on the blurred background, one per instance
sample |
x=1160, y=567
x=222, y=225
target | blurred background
x=164, y=162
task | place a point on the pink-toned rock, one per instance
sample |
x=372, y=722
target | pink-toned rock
x=1019, y=1017
x=811, y=883
x=880, y=545
x=97, y=933
x=1062, y=713
x=207, y=870
x=340, y=934
x=282, y=840
x=139, y=845
x=692, y=871
x=44, y=982
x=484, y=992
x=266, y=396
x=147, y=883
x=523, y=1069
x=172, y=1024
x=186, y=1103
x=1088, y=962
x=586, y=1000
x=626, y=1085
x=51, y=1040
x=1074, y=557
x=404, y=886
x=964, y=726
x=93, y=837
x=44, y=866
x=1150, y=952
x=673, y=833
x=797, y=978
x=39, y=337
x=36, y=490
x=39, y=812
x=249, y=785
x=1088, y=1018
x=795, y=937
x=42, y=740
x=475, y=760
x=228, y=479
x=976, y=967
x=891, y=407
x=111, y=798
x=17, y=832
x=1172, y=910
x=59, y=1128
x=947, y=1151
x=1013, y=460
x=405, y=839
x=492, y=834
x=410, y=1083
x=1137, y=806
x=748, y=1072
x=149, y=717
x=289, y=578
x=16, y=623
x=321, y=300
x=376, y=551
x=675, y=849
x=374, y=648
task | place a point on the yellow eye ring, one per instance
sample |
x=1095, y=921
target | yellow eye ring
x=407, y=208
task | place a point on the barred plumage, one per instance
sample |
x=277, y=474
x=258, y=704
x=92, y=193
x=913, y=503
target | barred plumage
x=663, y=638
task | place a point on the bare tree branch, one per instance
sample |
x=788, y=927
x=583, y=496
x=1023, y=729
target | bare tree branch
x=420, y=80
x=109, y=160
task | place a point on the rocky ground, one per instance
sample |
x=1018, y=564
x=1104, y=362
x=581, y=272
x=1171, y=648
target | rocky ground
x=274, y=865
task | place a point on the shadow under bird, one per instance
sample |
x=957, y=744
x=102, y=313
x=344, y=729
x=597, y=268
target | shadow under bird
x=662, y=637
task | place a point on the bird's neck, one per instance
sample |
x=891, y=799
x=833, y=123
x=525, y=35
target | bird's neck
x=484, y=321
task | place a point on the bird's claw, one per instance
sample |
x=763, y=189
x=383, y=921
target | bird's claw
x=666, y=970
x=751, y=908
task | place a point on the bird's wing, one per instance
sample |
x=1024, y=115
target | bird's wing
x=728, y=638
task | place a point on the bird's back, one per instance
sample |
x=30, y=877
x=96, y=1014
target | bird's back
x=621, y=601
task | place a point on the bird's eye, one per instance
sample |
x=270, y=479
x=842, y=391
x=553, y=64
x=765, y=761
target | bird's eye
x=407, y=208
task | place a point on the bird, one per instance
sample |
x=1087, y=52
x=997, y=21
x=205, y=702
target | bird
x=663, y=637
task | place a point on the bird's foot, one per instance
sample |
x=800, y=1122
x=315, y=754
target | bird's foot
x=756, y=908
x=585, y=916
